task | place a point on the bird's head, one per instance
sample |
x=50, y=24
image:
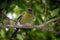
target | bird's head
x=29, y=9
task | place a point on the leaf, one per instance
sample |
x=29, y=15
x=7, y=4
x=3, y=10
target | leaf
x=54, y=12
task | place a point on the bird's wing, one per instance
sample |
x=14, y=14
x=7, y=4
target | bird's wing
x=17, y=29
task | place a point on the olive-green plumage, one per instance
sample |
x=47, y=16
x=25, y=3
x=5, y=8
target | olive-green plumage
x=26, y=18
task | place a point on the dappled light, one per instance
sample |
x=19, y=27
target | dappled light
x=35, y=19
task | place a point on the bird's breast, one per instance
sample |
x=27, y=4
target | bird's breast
x=27, y=19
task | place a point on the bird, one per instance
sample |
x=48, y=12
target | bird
x=26, y=18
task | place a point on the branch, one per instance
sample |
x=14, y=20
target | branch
x=42, y=26
x=50, y=21
x=4, y=9
x=30, y=3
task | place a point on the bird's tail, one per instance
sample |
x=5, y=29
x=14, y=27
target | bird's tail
x=15, y=33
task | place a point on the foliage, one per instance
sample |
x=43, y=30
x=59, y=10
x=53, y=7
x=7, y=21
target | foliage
x=44, y=10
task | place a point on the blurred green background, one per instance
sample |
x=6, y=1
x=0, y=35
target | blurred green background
x=44, y=10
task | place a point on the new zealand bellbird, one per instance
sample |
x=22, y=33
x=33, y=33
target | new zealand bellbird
x=26, y=18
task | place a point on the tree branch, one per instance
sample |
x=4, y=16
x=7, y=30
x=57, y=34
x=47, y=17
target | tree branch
x=41, y=26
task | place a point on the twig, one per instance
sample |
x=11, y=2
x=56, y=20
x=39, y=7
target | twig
x=3, y=11
x=30, y=3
